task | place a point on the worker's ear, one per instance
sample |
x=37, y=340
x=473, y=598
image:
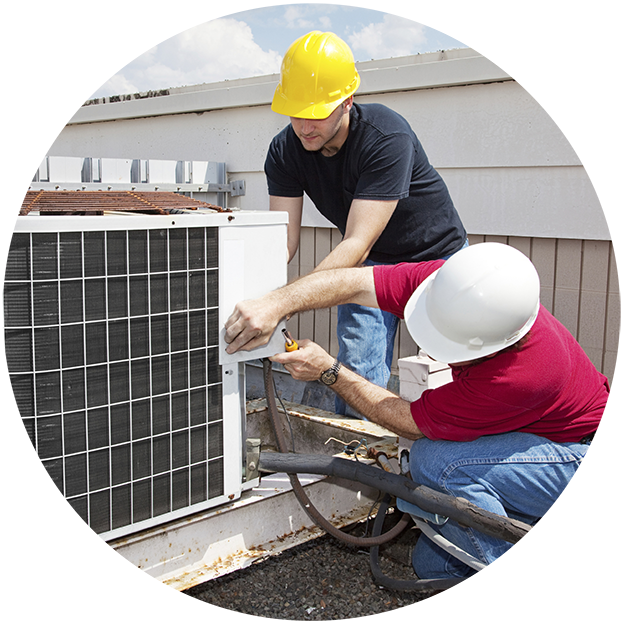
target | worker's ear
x=347, y=104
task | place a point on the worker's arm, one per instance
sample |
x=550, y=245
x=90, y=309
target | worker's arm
x=292, y=206
x=374, y=402
x=365, y=223
x=253, y=321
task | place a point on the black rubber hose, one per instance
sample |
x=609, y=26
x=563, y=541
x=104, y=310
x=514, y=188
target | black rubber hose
x=456, y=508
x=401, y=584
x=298, y=489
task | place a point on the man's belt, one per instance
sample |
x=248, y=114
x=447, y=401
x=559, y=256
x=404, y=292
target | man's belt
x=588, y=439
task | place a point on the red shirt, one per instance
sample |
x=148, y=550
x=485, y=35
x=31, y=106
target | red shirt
x=549, y=387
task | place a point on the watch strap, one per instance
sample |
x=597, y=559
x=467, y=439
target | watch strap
x=328, y=377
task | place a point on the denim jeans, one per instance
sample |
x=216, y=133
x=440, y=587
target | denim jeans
x=366, y=338
x=516, y=474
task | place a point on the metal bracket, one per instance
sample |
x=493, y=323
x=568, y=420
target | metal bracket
x=237, y=188
x=234, y=188
x=252, y=457
x=92, y=174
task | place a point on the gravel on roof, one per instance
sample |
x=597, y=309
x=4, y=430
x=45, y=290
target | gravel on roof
x=323, y=579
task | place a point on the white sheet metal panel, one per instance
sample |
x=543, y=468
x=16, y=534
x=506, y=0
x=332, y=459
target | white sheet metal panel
x=253, y=262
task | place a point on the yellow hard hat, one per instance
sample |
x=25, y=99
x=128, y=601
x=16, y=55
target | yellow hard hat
x=317, y=74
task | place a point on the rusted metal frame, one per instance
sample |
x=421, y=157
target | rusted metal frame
x=381, y=459
x=97, y=201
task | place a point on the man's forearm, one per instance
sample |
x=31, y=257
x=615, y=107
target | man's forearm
x=374, y=402
x=323, y=289
x=253, y=321
x=348, y=253
x=293, y=207
x=365, y=223
x=377, y=404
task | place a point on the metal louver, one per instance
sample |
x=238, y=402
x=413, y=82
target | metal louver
x=112, y=335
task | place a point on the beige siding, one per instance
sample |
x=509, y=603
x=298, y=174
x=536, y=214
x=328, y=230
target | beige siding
x=613, y=320
x=579, y=285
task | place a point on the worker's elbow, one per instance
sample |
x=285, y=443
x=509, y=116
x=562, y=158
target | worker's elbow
x=364, y=255
x=361, y=248
x=291, y=251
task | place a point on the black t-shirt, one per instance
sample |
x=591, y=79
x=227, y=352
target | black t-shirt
x=382, y=159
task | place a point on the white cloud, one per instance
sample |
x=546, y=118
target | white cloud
x=294, y=17
x=403, y=33
x=117, y=84
x=307, y=17
x=394, y=36
x=223, y=49
x=325, y=22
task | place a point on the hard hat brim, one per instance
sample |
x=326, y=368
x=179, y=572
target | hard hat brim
x=309, y=110
x=438, y=346
x=301, y=110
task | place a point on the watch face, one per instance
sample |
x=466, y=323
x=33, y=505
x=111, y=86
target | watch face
x=328, y=377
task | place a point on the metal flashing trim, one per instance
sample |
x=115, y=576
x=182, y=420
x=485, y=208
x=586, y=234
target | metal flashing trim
x=437, y=69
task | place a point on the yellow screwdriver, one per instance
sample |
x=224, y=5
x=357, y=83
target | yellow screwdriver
x=289, y=343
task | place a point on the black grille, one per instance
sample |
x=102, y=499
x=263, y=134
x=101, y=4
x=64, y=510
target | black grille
x=111, y=344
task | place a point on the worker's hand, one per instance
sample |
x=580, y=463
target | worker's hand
x=251, y=324
x=307, y=363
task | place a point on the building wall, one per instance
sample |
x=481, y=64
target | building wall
x=508, y=167
x=512, y=174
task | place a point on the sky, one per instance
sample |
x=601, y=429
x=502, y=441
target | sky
x=84, y=51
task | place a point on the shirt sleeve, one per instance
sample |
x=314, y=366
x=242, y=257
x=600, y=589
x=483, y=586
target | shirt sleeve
x=280, y=182
x=386, y=170
x=394, y=284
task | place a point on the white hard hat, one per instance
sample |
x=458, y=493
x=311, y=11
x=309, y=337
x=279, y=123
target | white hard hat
x=483, y=299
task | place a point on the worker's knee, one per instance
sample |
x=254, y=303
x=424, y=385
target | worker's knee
x=524, y=470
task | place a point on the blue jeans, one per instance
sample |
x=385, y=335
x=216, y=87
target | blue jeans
x=366, y=338
x=515, y=474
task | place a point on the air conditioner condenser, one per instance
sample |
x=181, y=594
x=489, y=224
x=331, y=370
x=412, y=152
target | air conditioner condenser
x=115, y=350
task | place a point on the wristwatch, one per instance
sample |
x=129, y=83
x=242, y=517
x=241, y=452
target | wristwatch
x=329, y=376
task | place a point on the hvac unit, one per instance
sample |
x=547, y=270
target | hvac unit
x=114, y=344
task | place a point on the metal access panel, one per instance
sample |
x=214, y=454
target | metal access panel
x=116, y=356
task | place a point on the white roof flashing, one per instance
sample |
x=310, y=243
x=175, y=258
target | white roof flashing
x=431, y=70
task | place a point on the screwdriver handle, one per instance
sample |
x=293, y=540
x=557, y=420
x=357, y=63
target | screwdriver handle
x=289, y=343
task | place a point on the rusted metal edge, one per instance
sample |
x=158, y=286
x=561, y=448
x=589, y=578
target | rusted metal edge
x=90, y=202
x=261, y=524
x=323, y=416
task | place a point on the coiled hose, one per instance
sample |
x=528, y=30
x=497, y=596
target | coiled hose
x=401, y=584
x=298, y=489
